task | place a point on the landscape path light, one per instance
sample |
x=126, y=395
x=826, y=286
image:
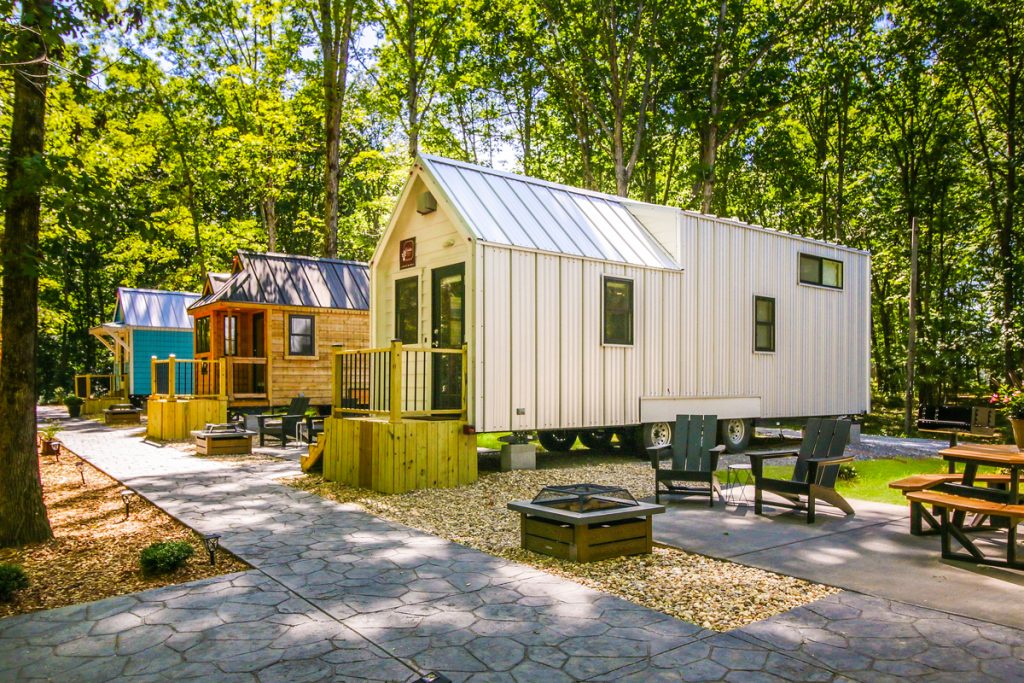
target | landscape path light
x=211, y=541
x=80, y=465
x=126, y=497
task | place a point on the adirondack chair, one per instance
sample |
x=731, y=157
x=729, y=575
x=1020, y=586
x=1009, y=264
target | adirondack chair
x=694, y=459
x=815, y=472
x=280, y=426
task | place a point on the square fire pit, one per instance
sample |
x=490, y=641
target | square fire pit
x=224, y=439
x=586, y=522
x=122, y=414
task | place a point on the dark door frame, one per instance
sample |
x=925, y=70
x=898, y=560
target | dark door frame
x=445, y=364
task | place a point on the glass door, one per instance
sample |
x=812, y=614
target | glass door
x=448, y=305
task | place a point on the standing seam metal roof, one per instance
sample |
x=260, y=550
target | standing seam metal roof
x=503, y=208
x=153, y=308
x=289, y=280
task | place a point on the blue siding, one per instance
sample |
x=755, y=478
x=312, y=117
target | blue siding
x=149, y=343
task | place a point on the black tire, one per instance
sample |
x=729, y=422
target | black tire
x=596, y=439
x=736, y=434
x=656, y=434
x=557, y=441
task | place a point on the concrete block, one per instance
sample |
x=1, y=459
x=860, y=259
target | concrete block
x=518, y=457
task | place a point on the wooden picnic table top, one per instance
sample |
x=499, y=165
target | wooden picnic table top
x=989, y=454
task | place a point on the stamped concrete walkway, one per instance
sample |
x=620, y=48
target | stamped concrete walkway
x=337, y=594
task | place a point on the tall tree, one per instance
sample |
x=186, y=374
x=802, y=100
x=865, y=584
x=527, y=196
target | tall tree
x=22, y=512
x=335, y=23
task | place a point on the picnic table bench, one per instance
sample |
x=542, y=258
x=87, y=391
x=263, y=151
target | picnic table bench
x=948, y=503
x=924, y=482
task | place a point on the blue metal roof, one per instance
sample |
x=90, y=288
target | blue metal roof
x=290, y=280
x=153, y=308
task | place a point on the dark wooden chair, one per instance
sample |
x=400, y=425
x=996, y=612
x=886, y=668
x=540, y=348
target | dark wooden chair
x=280, y=426
x=694, y=459
x=815, y=472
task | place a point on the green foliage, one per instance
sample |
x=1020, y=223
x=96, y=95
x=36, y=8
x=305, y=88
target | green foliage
x=71, y=401
x=1010, y=400
x=50, y=430
x=12, y=578
x=165, y=557
x=848, y=473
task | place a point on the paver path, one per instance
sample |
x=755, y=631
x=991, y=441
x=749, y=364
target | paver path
x=337, y=594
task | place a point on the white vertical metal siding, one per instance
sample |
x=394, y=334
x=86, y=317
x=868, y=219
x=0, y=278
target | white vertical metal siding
x=523, y=337
x=570, y=351
x=547, y=342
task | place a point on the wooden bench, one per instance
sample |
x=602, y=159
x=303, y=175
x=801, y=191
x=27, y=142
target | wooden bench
x=946, y=503
x=923, y=482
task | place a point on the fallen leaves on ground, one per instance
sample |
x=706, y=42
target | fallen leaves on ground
x=715, y=594
x=95, y=551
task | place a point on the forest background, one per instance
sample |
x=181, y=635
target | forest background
x=180, y=131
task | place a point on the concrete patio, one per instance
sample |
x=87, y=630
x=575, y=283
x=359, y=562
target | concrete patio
x=871, y=552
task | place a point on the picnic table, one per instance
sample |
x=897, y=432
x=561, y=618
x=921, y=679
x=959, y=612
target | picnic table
x=955, y=495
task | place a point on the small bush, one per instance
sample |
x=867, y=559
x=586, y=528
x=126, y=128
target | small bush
x=848, y=472
x=12, y=578
x=72, y=400
x=163, y=558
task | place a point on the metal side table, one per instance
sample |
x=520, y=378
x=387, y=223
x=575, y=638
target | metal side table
x=737, y=478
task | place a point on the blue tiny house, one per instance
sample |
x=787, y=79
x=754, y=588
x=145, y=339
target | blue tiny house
x=147, y=323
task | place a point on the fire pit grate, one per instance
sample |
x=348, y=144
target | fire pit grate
x=585, y=498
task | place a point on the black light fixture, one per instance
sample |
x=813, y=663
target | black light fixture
x=126, y=497
x=80, y=464
x=211, y=541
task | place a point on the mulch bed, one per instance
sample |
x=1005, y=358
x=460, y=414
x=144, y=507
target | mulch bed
x=713, y=593
x=95, y=551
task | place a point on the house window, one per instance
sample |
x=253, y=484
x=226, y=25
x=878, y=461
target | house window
x=764, y=323
x=618, y=311
x=301, y=335
x=202, y=335
x=407, y=307
x=231, y=335
x=817, y=270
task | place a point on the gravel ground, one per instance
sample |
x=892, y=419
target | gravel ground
x=712, y=593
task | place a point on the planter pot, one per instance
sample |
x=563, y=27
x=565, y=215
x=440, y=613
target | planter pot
x=49, y=448
x=1018, y=431
x=75, y=410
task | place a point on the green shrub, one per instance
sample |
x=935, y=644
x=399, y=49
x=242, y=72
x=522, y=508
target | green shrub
x=12, y=578
x=162, y=558
x=72, y=400
x=848, y=472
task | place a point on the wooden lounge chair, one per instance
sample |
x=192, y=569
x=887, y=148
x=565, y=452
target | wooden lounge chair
x=281, y=427
x=694, y=459
x=816, y=470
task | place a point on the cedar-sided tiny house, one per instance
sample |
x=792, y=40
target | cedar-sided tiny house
x=274, y=320
x=585, y=312
x=146, y=323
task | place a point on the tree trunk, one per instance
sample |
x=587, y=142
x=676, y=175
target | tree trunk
x=268, y=207
x=22, y=512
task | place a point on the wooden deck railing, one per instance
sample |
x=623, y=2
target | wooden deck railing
x=92, y=385
x=247, y=377
x=188, y=378
x=399, y=381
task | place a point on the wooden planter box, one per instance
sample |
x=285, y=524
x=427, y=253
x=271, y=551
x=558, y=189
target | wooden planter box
x=215, y=444
x=112, y=417
x=49, y=447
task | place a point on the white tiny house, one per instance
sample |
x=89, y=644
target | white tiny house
x=589, y=313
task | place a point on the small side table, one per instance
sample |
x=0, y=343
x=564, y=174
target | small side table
x=737, y=477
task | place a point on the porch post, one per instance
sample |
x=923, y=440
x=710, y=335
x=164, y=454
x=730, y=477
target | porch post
x=395, y=398
x=170, y=376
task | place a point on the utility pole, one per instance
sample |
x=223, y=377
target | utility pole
x=908, y=415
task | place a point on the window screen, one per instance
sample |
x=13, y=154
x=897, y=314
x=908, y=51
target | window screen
x=301, y=335
x=764, y=323
x=817, y=270
x=407, y=309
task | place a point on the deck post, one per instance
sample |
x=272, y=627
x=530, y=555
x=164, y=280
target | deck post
x=222, y=378
x=395, y=396
x=170, y=376
x=152, y=376
x=336, y=350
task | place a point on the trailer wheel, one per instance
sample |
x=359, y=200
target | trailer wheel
x=657, y=434
x=736, y=434
x=561, y=440
x=596, y=439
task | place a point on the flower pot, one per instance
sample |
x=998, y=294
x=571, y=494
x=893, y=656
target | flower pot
x=75, y=410
x=49, y=448
x=1018, y=431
